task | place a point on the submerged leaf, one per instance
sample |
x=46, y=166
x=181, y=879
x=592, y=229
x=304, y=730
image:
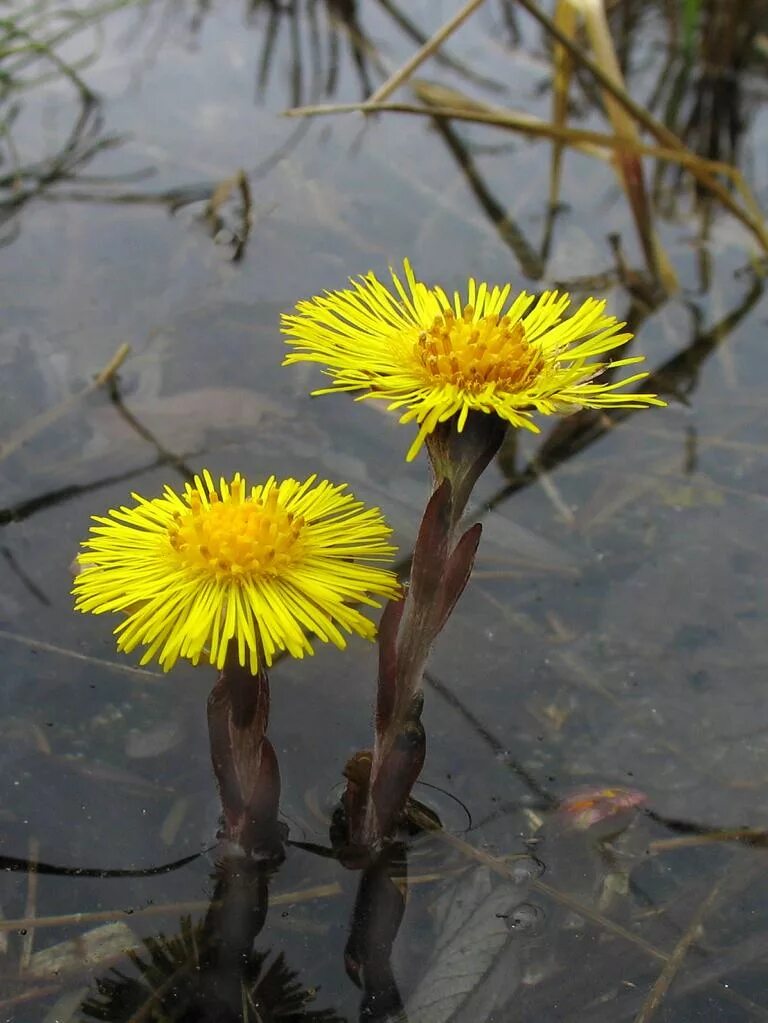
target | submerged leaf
x=474, y=967
x=96, y=947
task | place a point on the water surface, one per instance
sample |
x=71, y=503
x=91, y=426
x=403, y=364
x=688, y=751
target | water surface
x=613, y=634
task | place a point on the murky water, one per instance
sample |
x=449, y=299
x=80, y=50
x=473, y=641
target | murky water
x=613, y=634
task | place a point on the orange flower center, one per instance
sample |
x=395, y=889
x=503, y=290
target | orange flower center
x=473, y=354
x=237, y=537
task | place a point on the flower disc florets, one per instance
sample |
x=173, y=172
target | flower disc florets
x=471, y=355
x=437, y=357
x=257, y=567
x=239, y=537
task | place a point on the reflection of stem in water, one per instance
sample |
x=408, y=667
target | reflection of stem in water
x=20, y=184
x=342, y=15
x=23, y=510
x=296, y=58
x=84, y=142
x=167, y=457
x=530, y=262
x=547, y=799
x=376, y=919
x=341, y=18
x=705, y=102
x=691, y=462
x=211, y=970
x=40, y=48
x=268, y=48
x=677, y=377
x=74, y=24
x=45, y=419
x=29, y=583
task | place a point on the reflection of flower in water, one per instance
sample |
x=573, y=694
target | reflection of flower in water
x=259, y=566
x=174, y=985
x=437, y=357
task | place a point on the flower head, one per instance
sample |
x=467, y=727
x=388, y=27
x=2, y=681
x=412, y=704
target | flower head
x=587, y=807
x=437, y=357
x=257, y=566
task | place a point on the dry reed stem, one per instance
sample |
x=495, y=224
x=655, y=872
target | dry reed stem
x=404, y=72
x=583, y=139
x=293, y=898
x=659, y=990
x=627, y=165
x=703, y=170
x=526, y=123
x=743, y=836
x=562, y=72
x=648, y=121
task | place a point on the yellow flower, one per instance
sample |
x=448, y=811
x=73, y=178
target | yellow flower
x=437, y=358
x=257, y=566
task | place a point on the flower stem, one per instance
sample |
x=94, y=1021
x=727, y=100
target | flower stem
x=442, y=562
x=244, y=760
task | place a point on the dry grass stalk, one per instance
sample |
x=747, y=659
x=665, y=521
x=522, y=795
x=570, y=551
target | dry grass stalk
x=662, y=134
x=659, y=990
x=404, y=72
x=626, y=161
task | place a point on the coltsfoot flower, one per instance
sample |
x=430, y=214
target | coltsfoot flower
x=437, y=358
x=259, y=567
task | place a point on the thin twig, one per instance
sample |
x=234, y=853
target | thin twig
x=40, y=644
x=31, y=995
x=671, y=149
x=658, y=991
x=42, y=48
x=30, y=910
x=745, y=836
x=546, y=797
x=530, y=125
x=502, y=869
x=425, y=51
x=107, y=915
x=47, y=418
x=319, y=891
x=412, y=29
